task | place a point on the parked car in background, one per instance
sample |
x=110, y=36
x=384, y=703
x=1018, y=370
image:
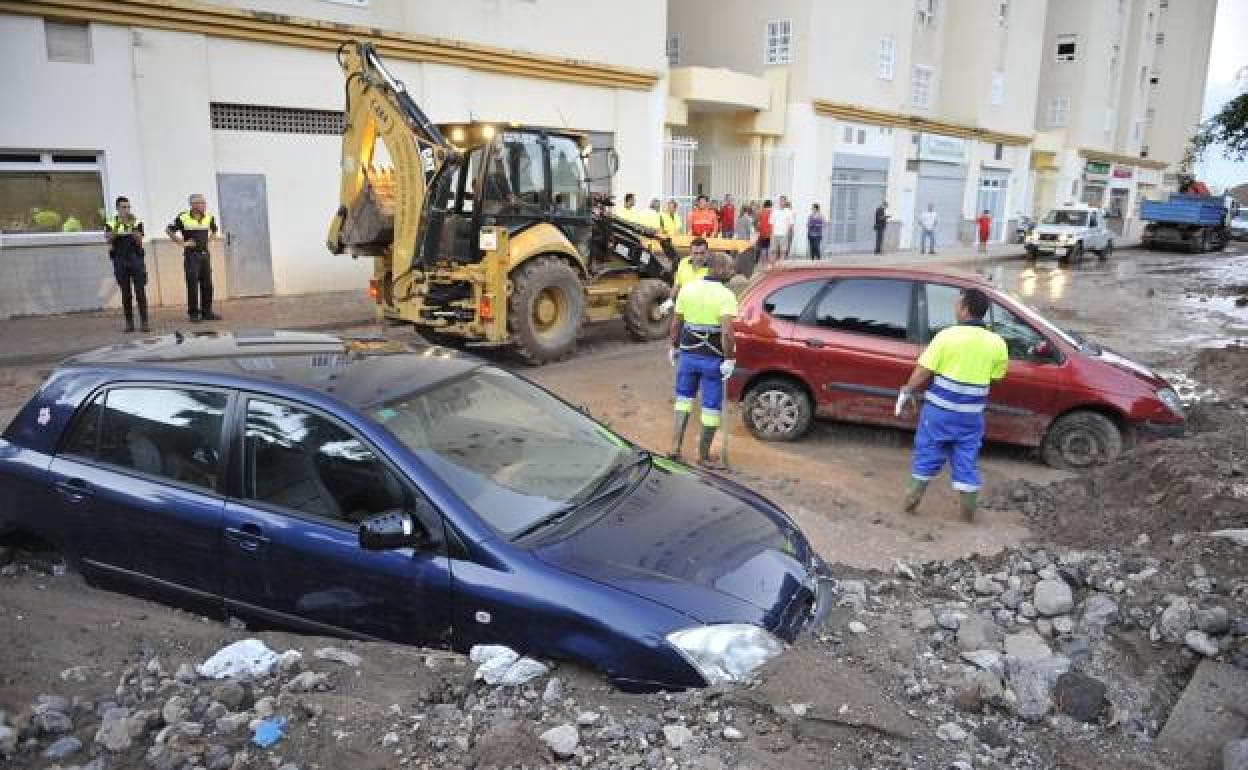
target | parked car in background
x=377, y=490
x=1070, y=231
x=1239, y=226
x=839, y=342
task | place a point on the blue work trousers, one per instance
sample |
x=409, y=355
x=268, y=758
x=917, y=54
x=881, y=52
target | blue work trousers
x=948, y=436
x=699, y=372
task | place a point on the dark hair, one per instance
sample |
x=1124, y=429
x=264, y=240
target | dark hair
x=699, y=241
x=767, y=203
x=630, y=198
x=703, y=198
x=120, y=200
x=815, y=206
x=976, y=303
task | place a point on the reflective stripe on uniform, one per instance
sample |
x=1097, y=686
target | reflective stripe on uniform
x=189, y=223
x=684, y=404
x=710, y=417
x=953, y=406
x=958, y=387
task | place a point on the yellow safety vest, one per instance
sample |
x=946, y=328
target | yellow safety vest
x=968, y=354
x=190, y=223
x=116, y=225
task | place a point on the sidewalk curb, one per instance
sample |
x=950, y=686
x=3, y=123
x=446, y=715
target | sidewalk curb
x=49, y=357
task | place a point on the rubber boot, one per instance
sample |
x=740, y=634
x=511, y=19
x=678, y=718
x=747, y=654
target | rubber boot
x=914, y=494
x=968, y=501
x=678, y=434
x=705, y=438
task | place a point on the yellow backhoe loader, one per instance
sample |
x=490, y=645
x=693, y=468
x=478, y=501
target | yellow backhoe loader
x=487, y=233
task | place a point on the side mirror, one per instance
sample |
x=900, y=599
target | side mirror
x=390, y=530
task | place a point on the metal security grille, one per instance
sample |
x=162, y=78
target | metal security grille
x=276, y=120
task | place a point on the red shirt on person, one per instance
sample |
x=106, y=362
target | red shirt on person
x=764, y=223
x=727, y=217
x=702, y=222
x=985, y=226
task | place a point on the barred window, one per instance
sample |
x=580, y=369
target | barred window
x=278, y=120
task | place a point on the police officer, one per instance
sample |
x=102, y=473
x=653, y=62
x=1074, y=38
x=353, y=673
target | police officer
x=702, y=350
x=125, y=248
x=193, y=229
x=960, y=364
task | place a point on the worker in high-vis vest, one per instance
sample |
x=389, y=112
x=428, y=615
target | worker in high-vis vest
x=193, y=229
x=689, y=269
x=125, y=248
x=702, y=351
x=958, y=367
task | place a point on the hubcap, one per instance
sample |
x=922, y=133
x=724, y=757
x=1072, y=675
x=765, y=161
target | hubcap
x=775, y=412
x=549, y=309
x=1082, y=448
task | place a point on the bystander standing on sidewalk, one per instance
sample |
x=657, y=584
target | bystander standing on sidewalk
x=125, y=248
x=984, y=225
x=670, y=221
x=728, y=218
x=193, y=229
x=782, y=221
x=927, y=222
x=881, y=222
x=745, y=223
x=814, y=231
x=703, y=221
x=765, y=254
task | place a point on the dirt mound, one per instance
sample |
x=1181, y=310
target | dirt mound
x=1194, y=484
x=1224, y=369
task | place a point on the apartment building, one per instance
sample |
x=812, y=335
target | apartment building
x=242, y=101
x=1121, y=85
x=1008, y=106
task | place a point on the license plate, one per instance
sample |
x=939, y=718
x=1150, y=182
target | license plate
x=1060, y=252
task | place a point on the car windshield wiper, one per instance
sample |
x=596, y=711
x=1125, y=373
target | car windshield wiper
x=618, y=478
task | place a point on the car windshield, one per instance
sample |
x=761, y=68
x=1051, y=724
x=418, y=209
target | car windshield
x=1073, y=218
x=511, y=451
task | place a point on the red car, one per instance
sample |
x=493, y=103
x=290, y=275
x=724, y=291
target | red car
x=839, y=342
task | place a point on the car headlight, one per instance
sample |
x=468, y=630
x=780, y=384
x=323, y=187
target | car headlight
x=1171, y=399
x=1031, y=237
x=728, y=652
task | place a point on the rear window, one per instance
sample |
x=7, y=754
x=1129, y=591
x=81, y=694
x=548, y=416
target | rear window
x=789, y=302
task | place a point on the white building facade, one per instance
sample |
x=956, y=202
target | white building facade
x=243, y=102
x=966, y=106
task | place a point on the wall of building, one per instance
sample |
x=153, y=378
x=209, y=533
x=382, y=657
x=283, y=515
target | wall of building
x=144, y=104
x=844, y=65
x=1182, y=65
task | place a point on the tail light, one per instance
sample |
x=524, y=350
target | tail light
x=485, y=307
x=374, y=291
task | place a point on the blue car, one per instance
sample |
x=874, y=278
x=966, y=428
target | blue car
x=377, y=490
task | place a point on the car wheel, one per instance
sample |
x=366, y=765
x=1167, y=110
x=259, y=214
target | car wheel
x=1081, y=440
x=1107, y=251
x=777, y=409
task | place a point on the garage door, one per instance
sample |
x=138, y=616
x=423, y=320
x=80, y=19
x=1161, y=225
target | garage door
x=940, y=184
x=851, y=211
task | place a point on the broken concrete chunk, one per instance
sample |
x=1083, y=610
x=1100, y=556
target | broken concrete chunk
x=1207, y=715
x=336, y=655
x=562, y=740
x=1053, y=597
x=1033, y=681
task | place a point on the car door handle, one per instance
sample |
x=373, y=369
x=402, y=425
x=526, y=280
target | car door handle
x=73, y=490
x=248, y=537
x=813, y=342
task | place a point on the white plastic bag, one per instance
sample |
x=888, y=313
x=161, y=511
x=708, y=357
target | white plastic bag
x=248, y=658
x=501, y=665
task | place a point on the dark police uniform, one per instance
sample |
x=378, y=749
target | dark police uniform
x=128, y=267
x=196, y=262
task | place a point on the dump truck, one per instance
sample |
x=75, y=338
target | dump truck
x=486, y=233
x=1198, y=223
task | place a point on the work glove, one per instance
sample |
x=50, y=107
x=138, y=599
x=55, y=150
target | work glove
x=904, y=399
x=727, y=367
x=667, y=306
x=672, y=355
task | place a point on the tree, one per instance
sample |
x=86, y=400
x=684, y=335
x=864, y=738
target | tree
x=1228, y=129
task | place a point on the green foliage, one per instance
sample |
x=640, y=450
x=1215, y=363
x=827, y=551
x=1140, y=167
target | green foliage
x=1228, y=130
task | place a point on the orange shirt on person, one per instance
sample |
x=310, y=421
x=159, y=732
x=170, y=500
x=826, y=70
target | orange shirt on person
x=702, y=222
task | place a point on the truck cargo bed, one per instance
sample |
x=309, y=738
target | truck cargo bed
x=1184, y=209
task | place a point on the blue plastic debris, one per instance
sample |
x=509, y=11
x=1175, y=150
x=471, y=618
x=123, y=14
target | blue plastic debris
x=269, y=732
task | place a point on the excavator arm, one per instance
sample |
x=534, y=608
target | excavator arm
x=380, y=209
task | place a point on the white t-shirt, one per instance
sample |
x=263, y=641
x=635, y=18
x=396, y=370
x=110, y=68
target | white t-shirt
x=928, y=220
x=781, y=222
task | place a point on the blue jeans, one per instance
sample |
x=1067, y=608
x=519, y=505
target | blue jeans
x=948, y=436
x=927, y=244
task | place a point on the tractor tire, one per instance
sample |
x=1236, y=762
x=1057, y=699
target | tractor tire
x=545, y=310
x=777, y=409
x=643, y=316
x=1081, y=440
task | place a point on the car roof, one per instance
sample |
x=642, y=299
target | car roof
x=912, y=272
x=361, y=371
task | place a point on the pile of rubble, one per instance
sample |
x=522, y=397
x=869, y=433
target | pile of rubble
x=1036, y=657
